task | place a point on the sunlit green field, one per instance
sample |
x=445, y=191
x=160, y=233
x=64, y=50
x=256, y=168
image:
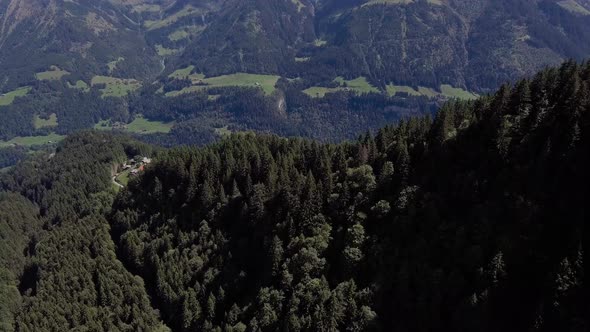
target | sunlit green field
x=357, y=85
x=80, y=85
x=116, y=87
x=446, y=91
x=44, y=123
x=8, y=98
x=33, y=140
x=140, y=126
x=265, y=82
x=182, y=73
x=163, y=51
x=51, y=75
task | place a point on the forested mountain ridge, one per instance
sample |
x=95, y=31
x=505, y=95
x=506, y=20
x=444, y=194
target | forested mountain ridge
x=472, y=222
x=58, y=267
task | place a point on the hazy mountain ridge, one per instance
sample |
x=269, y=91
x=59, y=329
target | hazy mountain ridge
x=469, y=44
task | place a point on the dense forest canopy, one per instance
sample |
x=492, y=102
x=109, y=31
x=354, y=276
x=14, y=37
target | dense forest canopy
x=473, y=220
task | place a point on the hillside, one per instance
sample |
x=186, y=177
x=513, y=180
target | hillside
x=78, y=39
x=471, y=221
x=475, y=45
x=176, y=72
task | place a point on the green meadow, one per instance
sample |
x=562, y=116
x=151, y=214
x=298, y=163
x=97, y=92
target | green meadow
x=446, y=91
x=8, y=98
x=80, y=85
x=357, y=85
x=182, y=73
x=45, y=123
x=140, y=125
x=265, y=82
x=54, y=74
x=116, y=87
x=32, y=140
x=163, y=51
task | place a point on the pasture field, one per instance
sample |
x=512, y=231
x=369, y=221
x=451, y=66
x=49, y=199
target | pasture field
x=320, y=91
x=358, y=85
x=265, y=82
x=446, y=91
x=33, y=140
x=163, y=51
x=80, y=85
x=116, y=87
x=140, y=125
x=185, y=32
x=182, y=73
x=54, y=74
x=8, y=98
x=451, y=92
x=45, y=123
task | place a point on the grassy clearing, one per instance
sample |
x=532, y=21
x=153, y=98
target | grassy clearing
x=80, y=85
x=182, y=73
x=32, y=140
x=392, y=90
x=116, y=87
x=8, y=98
x=319, y=91
x=139, y=126
x=447, y=91
x=452, y=92
x=54, y=74
x=144, y=126
x=157, y=24
x=265, y=82
x=185, y=32
x=358, y=85
x=45, y=123
x=178, y=35
x=163, y=51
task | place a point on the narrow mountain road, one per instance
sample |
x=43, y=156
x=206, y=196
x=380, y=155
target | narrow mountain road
x=117, y=183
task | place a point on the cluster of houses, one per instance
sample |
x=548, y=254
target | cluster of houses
x=136, y=165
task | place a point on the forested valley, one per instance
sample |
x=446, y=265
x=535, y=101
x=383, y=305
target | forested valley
x=470, y=220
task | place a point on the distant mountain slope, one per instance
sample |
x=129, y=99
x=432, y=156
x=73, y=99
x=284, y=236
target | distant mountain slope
x=475, y=44
x=80, y=37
